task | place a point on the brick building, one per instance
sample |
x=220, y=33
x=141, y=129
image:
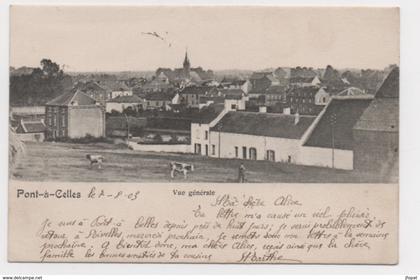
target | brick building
x=74, y=115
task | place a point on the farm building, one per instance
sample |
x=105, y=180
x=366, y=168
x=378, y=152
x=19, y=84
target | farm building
x=330, y=141
x=376, y=133
x=27, y=113
x=31, y=130
x=259, y=136
x=250, y=135
x=122, y=102
x=74, y=115
x=325, y=140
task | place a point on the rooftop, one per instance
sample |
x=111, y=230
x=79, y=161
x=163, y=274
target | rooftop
x=74, y=97
x=345, y=112
x=383, y=113
x=264, y=124
x=31, y=126
x=126, y=99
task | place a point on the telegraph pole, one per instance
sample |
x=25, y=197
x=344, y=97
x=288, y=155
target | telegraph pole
x=128, y=127
x=333, y=121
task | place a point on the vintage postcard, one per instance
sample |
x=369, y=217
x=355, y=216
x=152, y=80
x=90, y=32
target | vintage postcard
x=175, y=134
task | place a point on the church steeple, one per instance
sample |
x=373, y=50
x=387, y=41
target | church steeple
x=186, y=63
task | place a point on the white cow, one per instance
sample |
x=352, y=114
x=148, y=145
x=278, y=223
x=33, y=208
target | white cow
x=180, y=167
x=98, y=159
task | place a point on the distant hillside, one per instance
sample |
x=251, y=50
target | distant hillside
x=21, y=71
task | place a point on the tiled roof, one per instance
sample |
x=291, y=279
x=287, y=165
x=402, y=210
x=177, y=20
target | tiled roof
x=390, y=88
x=232, y=93
x=89, y=86
x=383, y=113
x=114, y=85
x=159, y=96
x=75, y=96
x=31, y=127
x=276, y=90
x=303, y=91
x=200, y=90
x=126, y=99
x=259, y=75
x=264, y=124
x=346, y=112
x=301, y=80
x=209, y=113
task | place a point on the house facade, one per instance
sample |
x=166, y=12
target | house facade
x=190, y=96
x=303, y=100
x=74, y=115
x=120, y=103
x=250, y=136
x=94, y=91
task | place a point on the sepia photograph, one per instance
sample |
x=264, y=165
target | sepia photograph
x=204, y=94
x=204, y=134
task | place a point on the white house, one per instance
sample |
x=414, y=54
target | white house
x=250, y=135
x=322, y=97
x=325, y=140
x=116, y=88
x=120, y=103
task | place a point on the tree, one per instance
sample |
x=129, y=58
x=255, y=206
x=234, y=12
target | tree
x=39, y=87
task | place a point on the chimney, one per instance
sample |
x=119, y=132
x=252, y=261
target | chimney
x=263, y=109
x=297, y=118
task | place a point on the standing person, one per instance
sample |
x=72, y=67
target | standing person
x=241, y=175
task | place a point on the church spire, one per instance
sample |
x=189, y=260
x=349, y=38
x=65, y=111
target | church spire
x=186, y=64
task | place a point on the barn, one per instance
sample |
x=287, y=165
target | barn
x=258, y=136
x=376, y=133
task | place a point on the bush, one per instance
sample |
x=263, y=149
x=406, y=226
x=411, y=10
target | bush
x=157, y=138
x=82, y=140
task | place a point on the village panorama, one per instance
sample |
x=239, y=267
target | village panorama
x=190, y=124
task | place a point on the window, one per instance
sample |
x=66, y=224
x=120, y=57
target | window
x=271, y=155
x=207, y=150
x=252, y=153
x=233, y=106
x=236, y=152
x=206, y=135
x=244, y=152
x=197, y=149
x=213, y=149
x=63, y=120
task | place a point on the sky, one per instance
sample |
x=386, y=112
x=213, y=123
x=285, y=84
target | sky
x=113, y=38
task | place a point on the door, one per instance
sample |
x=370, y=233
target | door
x=207, y=150
x=252, y=153
x=271, y=155
x=244, y=152
x=197, y=149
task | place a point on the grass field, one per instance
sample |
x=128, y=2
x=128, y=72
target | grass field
x=67, y=162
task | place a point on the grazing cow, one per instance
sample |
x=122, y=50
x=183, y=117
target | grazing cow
x=180, y=167
x=98, y=159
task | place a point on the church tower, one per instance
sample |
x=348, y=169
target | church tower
x=186, y=65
